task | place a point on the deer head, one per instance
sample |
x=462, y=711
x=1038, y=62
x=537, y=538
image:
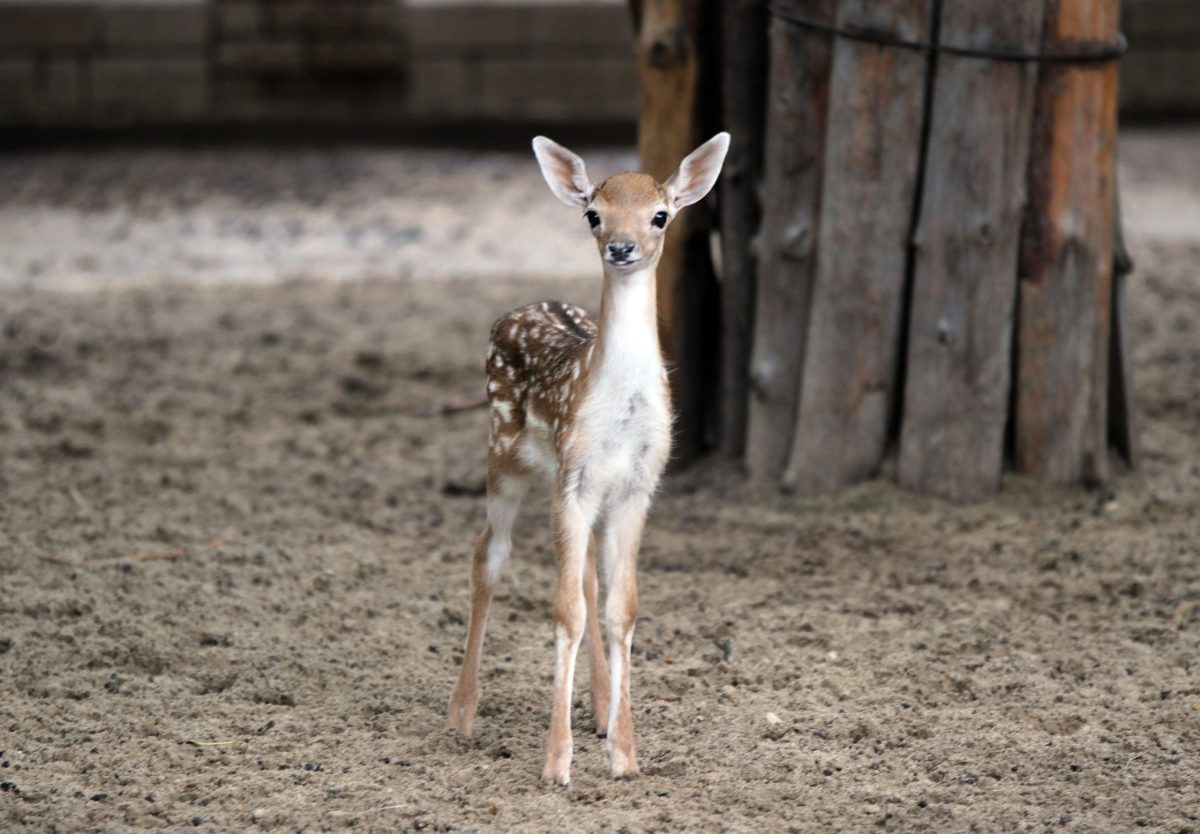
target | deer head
x=629, y=213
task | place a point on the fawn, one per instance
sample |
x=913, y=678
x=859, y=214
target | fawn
x=585, y=402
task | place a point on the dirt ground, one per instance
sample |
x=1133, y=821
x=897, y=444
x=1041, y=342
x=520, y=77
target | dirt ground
x=234, y=530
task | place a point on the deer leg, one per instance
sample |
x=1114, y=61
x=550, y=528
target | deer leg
x=571, y=532
x=595, y=641
x=621, y=537
x=492, y=549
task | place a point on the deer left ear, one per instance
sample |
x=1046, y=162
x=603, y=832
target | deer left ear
x=698, y=172
x=564, y=172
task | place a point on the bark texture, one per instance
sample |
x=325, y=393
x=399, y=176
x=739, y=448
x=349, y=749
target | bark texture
x=794, y=155
x=849, y=377
x=1065, y=298
x=959, y=351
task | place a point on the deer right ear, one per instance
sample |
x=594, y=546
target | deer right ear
x=564, y=172
x=698, y=172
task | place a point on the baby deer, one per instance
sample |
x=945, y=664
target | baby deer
x=585, y=402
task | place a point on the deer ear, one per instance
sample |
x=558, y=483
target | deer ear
x=564, y=172
x=698, y=172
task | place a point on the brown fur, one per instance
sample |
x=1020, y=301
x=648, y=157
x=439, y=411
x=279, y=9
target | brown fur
x=626, y=204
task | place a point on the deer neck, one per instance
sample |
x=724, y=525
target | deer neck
x=627, y=348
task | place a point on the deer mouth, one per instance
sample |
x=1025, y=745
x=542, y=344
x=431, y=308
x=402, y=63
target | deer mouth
x=624, y=263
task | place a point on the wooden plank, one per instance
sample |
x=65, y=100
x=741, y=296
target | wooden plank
x=797, y=103
x=671, y=49
x=743, y=101
x=959, y=352
x=1060, y=425
x=848, y=384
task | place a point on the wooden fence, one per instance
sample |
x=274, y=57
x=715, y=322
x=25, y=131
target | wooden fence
x=917, y=237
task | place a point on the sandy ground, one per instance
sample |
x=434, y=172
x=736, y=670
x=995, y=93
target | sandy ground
x=235, y=521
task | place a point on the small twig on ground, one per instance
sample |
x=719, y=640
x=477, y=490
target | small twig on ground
x=147, y=556
x=417, y=813
x=1133, y=758
x=58, y=560
x=152, y=555
x=79, y=500
x=196, y=743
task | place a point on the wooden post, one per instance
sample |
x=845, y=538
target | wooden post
x=671, y=42
x=848, y=384
x=1067, y=255
x=743, y=101
x=957, y=375
x=794, y=153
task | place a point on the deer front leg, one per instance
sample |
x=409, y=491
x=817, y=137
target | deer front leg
x=571, y=531
x=620, y=540
x=595, y=641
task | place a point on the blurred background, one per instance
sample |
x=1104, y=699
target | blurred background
x=318, y=62
x=282, y=87
x=369, y=64
x=259, y=140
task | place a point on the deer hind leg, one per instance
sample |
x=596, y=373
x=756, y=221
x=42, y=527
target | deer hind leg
x=595, y=642
x=492, y=550
x=572, y=528
x=621, y=536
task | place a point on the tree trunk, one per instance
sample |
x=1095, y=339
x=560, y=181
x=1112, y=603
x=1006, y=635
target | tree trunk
x=743, y=99
x=671, y=48
x=1067, y=255
x=848, y=383
x=957, y=375
x=794, y=153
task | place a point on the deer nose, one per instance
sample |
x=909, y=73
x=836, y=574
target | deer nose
x=620, y=250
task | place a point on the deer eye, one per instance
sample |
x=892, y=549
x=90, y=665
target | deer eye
x=659, y=220
x=593, y=219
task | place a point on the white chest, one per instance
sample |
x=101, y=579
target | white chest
x=624, y=429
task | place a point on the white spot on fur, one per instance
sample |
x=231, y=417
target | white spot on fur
x=537, y=453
